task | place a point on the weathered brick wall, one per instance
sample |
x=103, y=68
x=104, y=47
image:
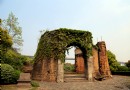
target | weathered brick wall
x=45, y=70
x=103, y=60
x=52, y=70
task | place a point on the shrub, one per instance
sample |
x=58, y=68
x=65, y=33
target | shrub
x=69, y=67
x=14, y=59
x=34, y=84
x=8, y=74
x=123, y=68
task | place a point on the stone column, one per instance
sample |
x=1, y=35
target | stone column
x=90, y=69
x=95, y=62
x=60, y=71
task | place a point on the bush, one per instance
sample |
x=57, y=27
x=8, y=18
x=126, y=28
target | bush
x=69, y=67
x=123, y=68
x=14, y=59
x=8, y=74
x=34, y=84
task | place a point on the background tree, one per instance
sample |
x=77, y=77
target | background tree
x=0, y=22
x=112, y=61
x=15, y=31
x=128, y=64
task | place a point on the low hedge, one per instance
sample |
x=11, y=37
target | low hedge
x=125, y=73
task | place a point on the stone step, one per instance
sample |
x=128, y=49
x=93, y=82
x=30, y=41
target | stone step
x=75, y=80
x=74, y=77
x=74, y=74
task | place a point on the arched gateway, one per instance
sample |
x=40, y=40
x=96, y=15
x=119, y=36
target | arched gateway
x=50, y=55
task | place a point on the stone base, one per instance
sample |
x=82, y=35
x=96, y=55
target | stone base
x=24, y=80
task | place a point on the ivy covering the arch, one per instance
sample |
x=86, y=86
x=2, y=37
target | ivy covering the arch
x=53, y=44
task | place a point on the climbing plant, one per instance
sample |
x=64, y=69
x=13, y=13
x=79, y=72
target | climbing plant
x=53, y=44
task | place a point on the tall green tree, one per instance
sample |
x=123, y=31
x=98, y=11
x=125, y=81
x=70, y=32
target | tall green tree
x=112, y=61
x=15, y=31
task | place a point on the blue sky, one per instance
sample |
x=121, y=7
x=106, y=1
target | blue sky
x=109, y=19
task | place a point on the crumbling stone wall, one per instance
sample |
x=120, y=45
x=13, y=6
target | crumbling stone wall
x=100, y=61
x=45, y=70
x=52, y=70
x=103, y=60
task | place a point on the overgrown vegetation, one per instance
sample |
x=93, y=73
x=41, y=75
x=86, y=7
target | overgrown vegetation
x=54, y=43
x=68, y=67
x=11, y=61
x=35, y=84
x=112, y=61
x=115, y=67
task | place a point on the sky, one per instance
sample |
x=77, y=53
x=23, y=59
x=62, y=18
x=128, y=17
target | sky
x=108, y=20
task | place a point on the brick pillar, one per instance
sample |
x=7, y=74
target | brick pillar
x=103, y=60
x=79, y=61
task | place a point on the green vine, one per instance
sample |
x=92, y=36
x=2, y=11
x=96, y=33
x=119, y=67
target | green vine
x=53, y=44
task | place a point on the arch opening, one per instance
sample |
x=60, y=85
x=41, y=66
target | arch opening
x=75, y=68
x=50, y=55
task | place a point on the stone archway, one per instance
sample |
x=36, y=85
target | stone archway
x=74, y=66
x=50, y=55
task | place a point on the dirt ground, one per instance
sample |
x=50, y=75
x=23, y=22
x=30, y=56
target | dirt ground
x=116, y=83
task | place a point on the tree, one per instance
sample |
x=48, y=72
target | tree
x=5, y=42
x=128, y=64
x=0, y=22
x=112, y=61
x=15, y=31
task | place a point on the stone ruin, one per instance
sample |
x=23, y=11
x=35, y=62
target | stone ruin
x=100, y=65
x=93, y=67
